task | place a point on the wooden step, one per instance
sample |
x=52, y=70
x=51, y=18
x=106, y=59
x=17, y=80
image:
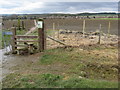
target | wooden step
x=26, y=41
x=21, y=45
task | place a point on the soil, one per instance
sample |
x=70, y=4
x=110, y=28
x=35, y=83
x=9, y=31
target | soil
x=29, y=64
x=14, y=60
x=73, y=39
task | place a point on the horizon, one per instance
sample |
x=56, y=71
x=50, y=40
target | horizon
x=69, y=13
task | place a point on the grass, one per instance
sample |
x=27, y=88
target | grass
x=54, y=81
x=108, y=18
x=54, y=55
x=68, y=68
x=6, y=39
x=21, y=32
x=85, y=61
x=84, y=67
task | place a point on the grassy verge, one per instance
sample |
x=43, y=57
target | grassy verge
x=91, y=63
x=54, y=81
x=85, y=67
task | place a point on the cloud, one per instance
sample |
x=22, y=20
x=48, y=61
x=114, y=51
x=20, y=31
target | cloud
x=38, y=7
x=22, y=8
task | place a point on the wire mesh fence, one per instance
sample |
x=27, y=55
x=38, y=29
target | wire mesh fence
x=75, y=32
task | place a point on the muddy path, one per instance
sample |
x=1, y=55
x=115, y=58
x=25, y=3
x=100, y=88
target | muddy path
x=15, y=60
x=9, y=61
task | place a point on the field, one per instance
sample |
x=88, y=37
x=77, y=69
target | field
x=82, y=63
x=9, y=23
x=77, y=24
x=72, y=24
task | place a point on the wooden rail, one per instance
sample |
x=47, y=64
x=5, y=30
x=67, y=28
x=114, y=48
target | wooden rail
x=20, y=45
x=56, y=40
x=26, y=41
x=23, y=36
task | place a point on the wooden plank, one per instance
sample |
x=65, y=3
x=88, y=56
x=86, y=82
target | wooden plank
x=25, y=36
x=21, y=45
x=83, y=28
x=109, y=25
x=41, y=36
x=56, y=40
x=13, y=40
x=21, y=48
x=44, y=36
x=26, y=41
x=99, y=41
x=40, y=39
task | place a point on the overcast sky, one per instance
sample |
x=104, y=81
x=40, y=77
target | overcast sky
x=53, y=6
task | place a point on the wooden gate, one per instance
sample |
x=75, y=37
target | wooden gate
x=41, y=39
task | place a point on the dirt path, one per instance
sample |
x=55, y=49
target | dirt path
x=12, y=60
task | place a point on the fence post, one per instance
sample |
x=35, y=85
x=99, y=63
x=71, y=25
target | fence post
x=44, y=29
x=109, y=25
x=83, y=28
x=19, y=24
x=53, y=26
x=23, y=26
x=99, y=41
x=14, y=43
x=58, y=30
x=41, y=36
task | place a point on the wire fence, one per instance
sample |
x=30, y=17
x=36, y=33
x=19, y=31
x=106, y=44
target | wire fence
x=75, y=32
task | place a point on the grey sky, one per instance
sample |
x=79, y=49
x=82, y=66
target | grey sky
x=40, y=6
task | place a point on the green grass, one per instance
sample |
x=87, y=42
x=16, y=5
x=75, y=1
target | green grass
x=67, y=68
x=53, y=55
x=82, y=63
x=107, y=18
x=6, y=39
x=21, y=32
x=53, y=81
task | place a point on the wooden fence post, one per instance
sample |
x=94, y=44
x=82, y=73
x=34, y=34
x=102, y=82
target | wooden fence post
x=14, y=43
x=83, y=28
x=44, y=29
x=19, y=24
x=23, y=26
x=109, y=25
x=99, y=41
x=41, y=35
x=53, y=26
x=58, y=30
